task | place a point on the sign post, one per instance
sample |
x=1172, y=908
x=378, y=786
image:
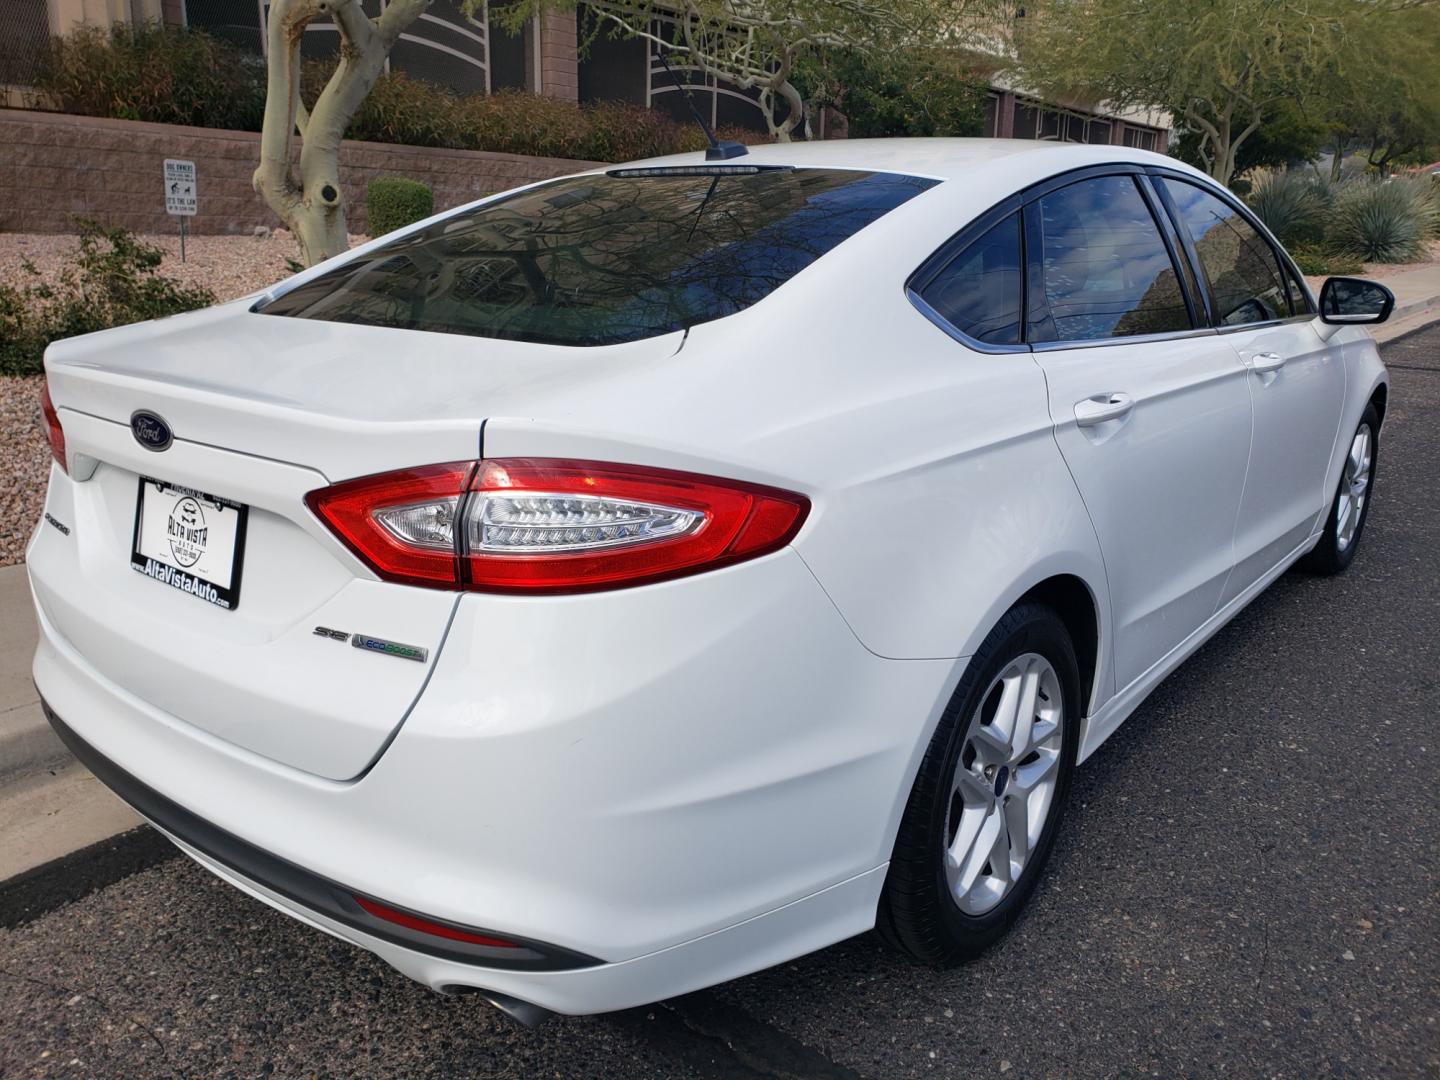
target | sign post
x=180, y=198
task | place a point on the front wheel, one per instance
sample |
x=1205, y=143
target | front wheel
x=983, y=813
x=1336, y=549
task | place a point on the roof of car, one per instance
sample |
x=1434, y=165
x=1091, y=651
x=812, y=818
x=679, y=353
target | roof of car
x=943, y=159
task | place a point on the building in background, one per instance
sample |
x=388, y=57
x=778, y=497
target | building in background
x=470, y=54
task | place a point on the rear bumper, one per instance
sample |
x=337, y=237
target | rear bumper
x=298, y=886
x=724, y=804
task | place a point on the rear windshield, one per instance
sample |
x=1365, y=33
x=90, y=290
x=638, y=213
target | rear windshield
x=595, y=260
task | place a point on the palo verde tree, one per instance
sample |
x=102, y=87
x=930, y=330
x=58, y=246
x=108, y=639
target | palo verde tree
x=1219, y=64
x=309, y=200
x=756, y=44
x=1382, y=96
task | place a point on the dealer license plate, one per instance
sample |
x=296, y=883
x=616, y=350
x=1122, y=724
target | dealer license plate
x=190, y=541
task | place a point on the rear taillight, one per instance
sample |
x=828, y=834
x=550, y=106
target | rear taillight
x=544, y=525
x=369, y=514
x=53, y=431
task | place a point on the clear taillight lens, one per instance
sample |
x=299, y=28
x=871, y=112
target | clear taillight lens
x=53, y=431
x=427, y=524
x=391, y=521
x=550, y=523
x=545, y=525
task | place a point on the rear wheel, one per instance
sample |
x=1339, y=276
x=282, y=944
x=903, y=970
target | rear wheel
x=1336, y=549
x=983, y=813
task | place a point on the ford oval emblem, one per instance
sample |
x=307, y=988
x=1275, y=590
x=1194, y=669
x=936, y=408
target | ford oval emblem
x=151, y=431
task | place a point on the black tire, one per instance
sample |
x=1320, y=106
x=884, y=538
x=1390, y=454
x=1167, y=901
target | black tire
x=918, y=914
x=1330, y=556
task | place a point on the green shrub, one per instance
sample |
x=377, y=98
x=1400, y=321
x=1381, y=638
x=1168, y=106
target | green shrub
x=1384, y=221
x=392, y=203
x=513, y=122
x=176, y=76
x=112, y=281
x=400, y=110
x=914, y=93
x=1287, y=203
x=1317, y=261
x=163, y=74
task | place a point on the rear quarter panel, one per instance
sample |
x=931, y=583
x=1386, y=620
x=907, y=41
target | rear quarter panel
x=939, y=494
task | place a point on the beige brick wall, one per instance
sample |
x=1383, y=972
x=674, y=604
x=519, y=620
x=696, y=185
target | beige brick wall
x=559, y=59
x=54, y=166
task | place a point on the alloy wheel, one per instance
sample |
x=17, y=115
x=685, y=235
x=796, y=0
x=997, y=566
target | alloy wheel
x=1004, y=783
x=1354, y=485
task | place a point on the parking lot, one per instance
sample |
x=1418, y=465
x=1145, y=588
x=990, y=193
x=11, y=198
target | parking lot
x=1246, y=885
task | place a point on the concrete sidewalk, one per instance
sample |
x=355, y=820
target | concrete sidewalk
x=26, y=741
x=1417, y=302
x=49, y=805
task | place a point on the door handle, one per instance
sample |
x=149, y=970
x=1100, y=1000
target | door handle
x=1102, y=407
x=1262, y=363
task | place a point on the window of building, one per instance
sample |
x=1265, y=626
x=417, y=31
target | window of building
x=511, y=54
x=1106, y=271
x=978, y=292
x=1141, y=138
x=1239, y=263
x=1034, y=122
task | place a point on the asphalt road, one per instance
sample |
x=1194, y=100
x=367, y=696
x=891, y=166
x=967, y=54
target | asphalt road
x=1247, y=885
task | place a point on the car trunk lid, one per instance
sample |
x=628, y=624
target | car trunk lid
x=264, y=410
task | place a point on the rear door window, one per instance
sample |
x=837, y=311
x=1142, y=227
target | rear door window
x=603, y=259
x=1239, y=263
x=978, y=291
x=1106, y=270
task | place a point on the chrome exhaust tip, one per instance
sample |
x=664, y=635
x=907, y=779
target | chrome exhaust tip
x=527, y=1014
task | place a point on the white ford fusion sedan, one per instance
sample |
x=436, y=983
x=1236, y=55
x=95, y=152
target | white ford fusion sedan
x=625, y=583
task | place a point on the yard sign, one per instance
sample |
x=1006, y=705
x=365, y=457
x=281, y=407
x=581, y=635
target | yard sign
x=180, y=188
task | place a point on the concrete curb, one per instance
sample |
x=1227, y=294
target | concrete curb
x=27, y=743
x=1408, y=318
x=78, y=872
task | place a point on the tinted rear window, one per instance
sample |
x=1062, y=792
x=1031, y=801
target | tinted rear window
x=595, y=260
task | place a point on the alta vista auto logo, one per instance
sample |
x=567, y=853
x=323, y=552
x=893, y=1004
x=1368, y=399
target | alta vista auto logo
x=187, y=531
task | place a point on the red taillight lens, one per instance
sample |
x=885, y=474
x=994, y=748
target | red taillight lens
x=545, y=525
x=570, y=526
x=53, y=431
x=425, y=926
x=364, y=512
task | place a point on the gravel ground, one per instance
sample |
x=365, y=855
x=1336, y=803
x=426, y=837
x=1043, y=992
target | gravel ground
x=230, y=266
x=26, y=464
x=1384, y=270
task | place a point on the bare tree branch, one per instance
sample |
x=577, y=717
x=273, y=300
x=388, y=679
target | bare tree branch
x=311, y=203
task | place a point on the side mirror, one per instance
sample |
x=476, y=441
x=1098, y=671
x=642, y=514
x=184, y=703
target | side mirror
x=1347, y=300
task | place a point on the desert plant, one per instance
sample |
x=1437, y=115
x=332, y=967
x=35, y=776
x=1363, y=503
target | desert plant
x=1384, y=221
x=1317, y=261
x=111, y=281
x=1286, y=202
x=392, y=203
